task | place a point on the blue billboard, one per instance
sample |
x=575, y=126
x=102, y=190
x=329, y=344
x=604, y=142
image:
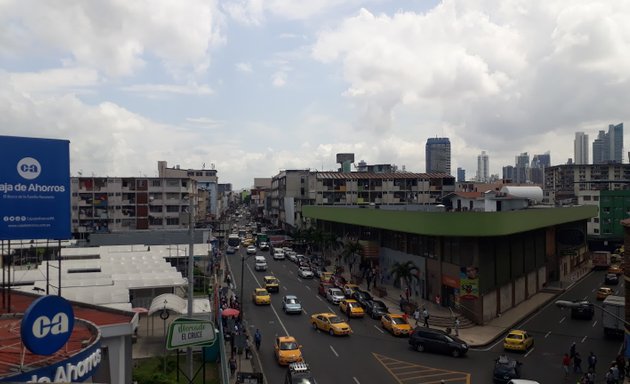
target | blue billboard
x=34, y=188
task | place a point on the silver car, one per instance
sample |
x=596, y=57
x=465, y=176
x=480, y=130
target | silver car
x=334, y=295
x=305, y=273
x=291, y=304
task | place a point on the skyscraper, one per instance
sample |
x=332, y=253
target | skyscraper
x=438, y=155
x=461, y=175
x=483, y=167
x=521, y=170
x=608, y=147
x=537, y=169
x=580, y=148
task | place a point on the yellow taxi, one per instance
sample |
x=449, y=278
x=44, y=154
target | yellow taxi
x=326, y=277
x=247, y=242
x=603, y=292
x=351, y=307
x=271, y=283
x=616, y=269
x=518, y=340
x=348, y=289
x=287, y=350
x=396, y=324
x=261, y=297
x=331, y=323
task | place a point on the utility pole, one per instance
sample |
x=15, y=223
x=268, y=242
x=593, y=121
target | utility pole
x=191, y=285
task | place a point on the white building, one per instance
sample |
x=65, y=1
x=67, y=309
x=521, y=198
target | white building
x=483, y=166
x=580, y=148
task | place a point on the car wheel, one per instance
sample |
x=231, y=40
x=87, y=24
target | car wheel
x=455, y=352
x=315, y=326
x=331, y=332
x=419, y=347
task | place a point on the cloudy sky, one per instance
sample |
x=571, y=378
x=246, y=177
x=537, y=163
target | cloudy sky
x=252, y=87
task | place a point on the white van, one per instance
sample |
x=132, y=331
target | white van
x=260, y=263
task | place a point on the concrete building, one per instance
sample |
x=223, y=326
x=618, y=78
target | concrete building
x=521, y=169
x=260, y=201
x=483, y=167
x=580, y=148
x=438, y=155
x=608, y=147
x=480, y=263
x=461, y=175
x=537, y=168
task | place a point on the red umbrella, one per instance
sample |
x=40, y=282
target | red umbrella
x=230, y=312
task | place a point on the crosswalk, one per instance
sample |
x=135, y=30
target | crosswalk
x=410, y=373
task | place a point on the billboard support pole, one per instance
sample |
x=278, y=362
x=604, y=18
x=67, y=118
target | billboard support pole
x=47, y=277
x=59, y=271
x=9, y=277
x=4, y=281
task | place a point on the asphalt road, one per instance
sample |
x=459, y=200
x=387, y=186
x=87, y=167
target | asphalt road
x=371, y=355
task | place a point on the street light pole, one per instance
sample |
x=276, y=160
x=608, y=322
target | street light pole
x=191, y=287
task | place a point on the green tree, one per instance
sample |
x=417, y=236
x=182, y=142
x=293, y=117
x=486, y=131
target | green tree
x=352, y=248
x=406, y=272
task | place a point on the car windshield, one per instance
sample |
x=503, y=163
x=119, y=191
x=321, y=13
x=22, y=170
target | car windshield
x=292, y=301
x=288, y=346
x=353, y=305
x=336, y=292
x=398, y=320
x=515, y=336
x=261, y=293
x=379, y=305
x=335, y=320
x=271, y=281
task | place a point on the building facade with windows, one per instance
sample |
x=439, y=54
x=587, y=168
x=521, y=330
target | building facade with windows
x=580, y=148
x=438, y=155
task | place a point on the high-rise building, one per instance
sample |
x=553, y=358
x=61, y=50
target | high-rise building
x=483, y=173
x=580, y=148
x=537, y=169
x=608, y=147
x=521, y=169
x=508, y=173
x=461, y=175
x=438, y=155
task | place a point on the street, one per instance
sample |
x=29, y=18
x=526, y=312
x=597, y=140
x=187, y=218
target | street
x=371, y=355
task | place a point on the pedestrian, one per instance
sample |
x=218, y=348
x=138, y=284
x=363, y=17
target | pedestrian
x=402, y=303
x=572, y=350
x=589, y=377
x=577, y=363
x=621, y=365
x=425, y=317
x=407, y=293
x=416, y=315
x=592, y=361
x=248, y=349
x=456, y=326
x=566, y=362
x=257, y=339
x=232, y=364
x=615, y=372
x=610, y=377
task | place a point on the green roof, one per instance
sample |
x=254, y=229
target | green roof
x=477, y=224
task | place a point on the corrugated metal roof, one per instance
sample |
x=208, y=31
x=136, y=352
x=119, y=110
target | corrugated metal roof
x=380, y=176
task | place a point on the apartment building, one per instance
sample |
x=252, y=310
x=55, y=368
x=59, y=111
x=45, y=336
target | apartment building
x=563, y=182
x=293, y=189
x=113, y=204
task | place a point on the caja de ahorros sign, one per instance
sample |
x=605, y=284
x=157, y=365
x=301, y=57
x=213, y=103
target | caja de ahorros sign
x=45, y=328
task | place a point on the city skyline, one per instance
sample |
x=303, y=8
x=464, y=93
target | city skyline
x=256, y=87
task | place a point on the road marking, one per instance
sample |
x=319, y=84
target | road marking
x=290, y=272
x=320, y=299
x=285, y=288
x=401, y=371
x=530, y=351
x=304, y=310
x=593, y=289
x=272, y=308
x=561, y=320
x=547, y=334
x=330, y=309
x=594, y=323
x=356, y=380
x=584, y=339
x=378, y=329
x=307, y=287
x=333, y=350
x=585, y=298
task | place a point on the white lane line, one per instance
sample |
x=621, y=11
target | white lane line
x=378, y=329
x=594, y=323
x=333, y=350
x=285, y=288
x=304, y=310
x=584, y=339
x=291, y=272
x=561, y=320
x=528, y=352
x=272, y=308
x=307, y=287
x=330, y=309
x=593, y=289
x=547, y=334
x=320, y=299
x=356, y=380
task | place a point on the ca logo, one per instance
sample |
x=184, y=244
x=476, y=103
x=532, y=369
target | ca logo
x=42, y=326
x=29, y=168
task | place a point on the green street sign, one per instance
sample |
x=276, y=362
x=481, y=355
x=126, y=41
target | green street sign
x=185, y=332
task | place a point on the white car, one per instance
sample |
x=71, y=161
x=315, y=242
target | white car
x=251, y=250
x=334, y=295
x=260, y=263
x=305, y=273
x=292, y=256
x=278, y=254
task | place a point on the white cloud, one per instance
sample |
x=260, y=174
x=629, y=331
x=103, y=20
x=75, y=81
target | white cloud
x=254, y=12
x=115, y=36
x=155, y=89
x=206, y=121
x=279, y=79
x=244, y=67
x=52, y=80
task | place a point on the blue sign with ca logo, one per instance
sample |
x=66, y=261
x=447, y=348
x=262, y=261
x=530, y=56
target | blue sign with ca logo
x=47, y=325
x=34, y=188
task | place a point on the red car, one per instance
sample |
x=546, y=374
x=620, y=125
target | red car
x=323, y=288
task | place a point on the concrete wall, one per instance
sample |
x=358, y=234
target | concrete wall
x=505, y=293
x=531, y=284
x=519, y=290
x=489, y=306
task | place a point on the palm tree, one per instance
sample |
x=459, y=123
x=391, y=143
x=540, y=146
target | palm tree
x=350, y=249
x=406, y=272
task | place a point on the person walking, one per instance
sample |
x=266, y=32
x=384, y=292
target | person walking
x=232, y=363
x=566, y=362
x=416, y=316
x=592, y=361
x=257, y=339
x=577, y=363
x=456, y=326
x=425, y=317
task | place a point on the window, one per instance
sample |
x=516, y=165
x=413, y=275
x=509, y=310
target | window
x=156, y=183
x=587, y=198
x=199, y=174
x=172, y=208
x=172, y=221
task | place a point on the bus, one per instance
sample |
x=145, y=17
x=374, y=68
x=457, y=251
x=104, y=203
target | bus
x=234, y=240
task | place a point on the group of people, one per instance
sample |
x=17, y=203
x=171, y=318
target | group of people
x=572, y=361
